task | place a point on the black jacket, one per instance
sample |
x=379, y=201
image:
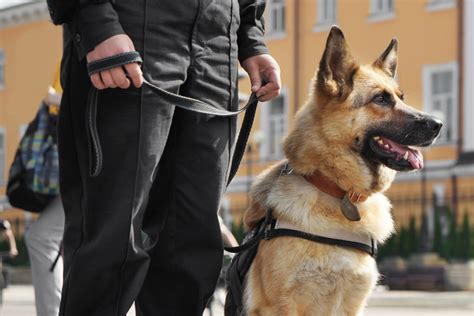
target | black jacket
x=92, y=21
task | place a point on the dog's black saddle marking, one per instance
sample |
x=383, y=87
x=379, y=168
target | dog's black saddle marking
x=246, y=253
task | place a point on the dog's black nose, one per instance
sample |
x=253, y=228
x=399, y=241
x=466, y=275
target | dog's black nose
x=435, y=124
x=431, y=123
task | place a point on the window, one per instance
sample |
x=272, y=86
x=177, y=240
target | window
x=274, y=124
x=440, y=98
x=382, y=6
x=2, y=69
x=437, y=5
x=276, y=17
x=326, y=12
x=381, y=10
x=2, y=156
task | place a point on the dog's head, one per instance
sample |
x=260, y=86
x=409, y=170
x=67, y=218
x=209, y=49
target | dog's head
x=356, y=123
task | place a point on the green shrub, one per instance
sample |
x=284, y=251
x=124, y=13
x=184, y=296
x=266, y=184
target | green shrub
x=413, y=238
x=404, y=243
x=238, y=231
x=455, y=243
x=465, y=245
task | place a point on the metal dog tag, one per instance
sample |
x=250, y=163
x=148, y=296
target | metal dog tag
x=349, y=210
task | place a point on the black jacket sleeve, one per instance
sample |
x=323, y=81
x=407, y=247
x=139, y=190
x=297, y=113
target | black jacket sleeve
x=252, y=29
x=89, y=22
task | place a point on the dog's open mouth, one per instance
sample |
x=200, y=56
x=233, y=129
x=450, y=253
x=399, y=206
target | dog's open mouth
x=395, y=155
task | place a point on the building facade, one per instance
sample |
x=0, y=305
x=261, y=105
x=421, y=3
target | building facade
x=436, y=72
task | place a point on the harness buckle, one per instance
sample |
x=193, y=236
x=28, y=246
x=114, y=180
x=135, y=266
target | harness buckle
x=374, y=248
x=268, y=225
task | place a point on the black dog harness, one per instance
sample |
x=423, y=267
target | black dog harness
x=268, y=229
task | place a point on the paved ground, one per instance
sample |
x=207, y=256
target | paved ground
x=19, y=301
x=409, y=303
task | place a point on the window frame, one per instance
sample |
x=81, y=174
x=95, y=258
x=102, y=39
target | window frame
x=265, y=109
x=428, y=71
x=376, y=15
x=322, y=23
x=3, y=156
x=440, y=5
x=2, y=69
x=271, y=33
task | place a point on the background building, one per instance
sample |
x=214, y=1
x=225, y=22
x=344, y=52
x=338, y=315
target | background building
x=436, y=72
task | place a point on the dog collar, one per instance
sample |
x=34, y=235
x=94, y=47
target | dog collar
x=328, y=186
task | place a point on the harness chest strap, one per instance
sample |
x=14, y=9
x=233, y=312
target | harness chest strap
x=272, y=228
x=337, y=237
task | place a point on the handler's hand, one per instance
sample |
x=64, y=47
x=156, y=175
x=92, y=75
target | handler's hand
x=263, y=68
x=115, y=77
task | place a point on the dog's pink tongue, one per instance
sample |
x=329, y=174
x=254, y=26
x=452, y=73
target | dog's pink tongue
x=415, y=158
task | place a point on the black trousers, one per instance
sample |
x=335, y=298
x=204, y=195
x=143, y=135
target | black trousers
x=145, y=228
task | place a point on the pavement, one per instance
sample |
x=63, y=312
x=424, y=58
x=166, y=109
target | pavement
x=18, y=300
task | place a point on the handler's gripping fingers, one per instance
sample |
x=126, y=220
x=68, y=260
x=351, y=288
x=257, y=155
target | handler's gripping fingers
x=135, y=73
x=119, y=77
x=268, y=91
x=272, y=86
x=107, y=79
x=97, y=82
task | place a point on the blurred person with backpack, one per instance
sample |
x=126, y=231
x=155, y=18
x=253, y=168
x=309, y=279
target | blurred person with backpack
x=34, y=186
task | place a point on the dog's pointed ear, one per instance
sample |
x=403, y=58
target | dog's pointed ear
x=389, y=59
x=337, y=66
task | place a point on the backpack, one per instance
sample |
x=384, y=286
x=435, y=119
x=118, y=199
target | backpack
x=33, y=180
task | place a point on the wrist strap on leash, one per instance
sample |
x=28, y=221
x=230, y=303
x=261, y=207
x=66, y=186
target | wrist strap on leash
x=113, y=61
x=186, y=103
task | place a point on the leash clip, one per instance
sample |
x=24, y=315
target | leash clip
x=286, y=170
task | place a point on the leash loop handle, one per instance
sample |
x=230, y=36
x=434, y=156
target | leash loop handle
x=113, y=61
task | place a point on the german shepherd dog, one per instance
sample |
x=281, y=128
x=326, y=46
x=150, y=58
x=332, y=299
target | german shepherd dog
x=347, y=143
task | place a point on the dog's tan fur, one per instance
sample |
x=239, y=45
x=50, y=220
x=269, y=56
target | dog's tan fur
x=293, y=276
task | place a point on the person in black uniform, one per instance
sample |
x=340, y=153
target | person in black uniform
x=141, y=208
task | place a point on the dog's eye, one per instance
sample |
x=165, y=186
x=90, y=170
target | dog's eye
x=380, y=99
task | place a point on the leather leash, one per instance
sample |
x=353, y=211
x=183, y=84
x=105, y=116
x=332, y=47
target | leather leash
x=180, y=101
